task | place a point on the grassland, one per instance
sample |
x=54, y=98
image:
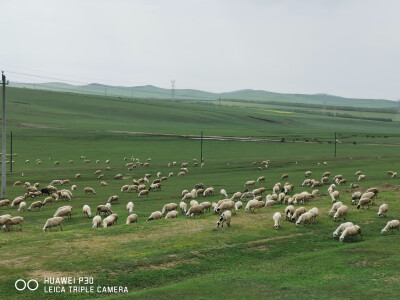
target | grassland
x=191, y=258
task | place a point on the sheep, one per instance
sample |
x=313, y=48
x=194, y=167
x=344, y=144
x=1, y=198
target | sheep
x=73, y=187
x=155, y=187
x=65, y=211
x=22, y=206
x=298, y=212
x=247, y=195
x=169, y=207
x=331, y=188
x=361, y=178
x=183, y=207
x=172, y=214
x=130, y=207
x=340, y=228
x=88, y=190
x=133, y=218
x=341, y=213
x=334, y=196
x=284, y=176
x=276, y=188
x=304, y=219
x=363, y=202
x=281, y=196
x=223, y=193
x=195, y=210
x=206, y=205
x=314, y=212
x=17, y=183
x=269, y=203
x=335, y=207
x=288, y=188
x=391, y=225
x=65, y=195
x=170, y=174
x=188, y=196
x=261, y=179
x=143, y=193
x=104, y=209
x=225, y=217
x=48, y=200
x=118, y=177
x=141, y=187
x=96, y=221
x=354, y=186
x=277, y=220
x=27, y=184
x=53, y=222
x=86, y=211
x=382, y=210
x=289, y=211
x=226, y=205
x=306, y=182
x=354, y=230
x=355, y=196
x=358, y=173
x=208, y=191
x=252, y=205
x=13, y=221
x=47, y=190
x=4, y=202
x=34, y=205
x=249, y=183
x=390, y=173
x=112, y=199
x=394, y=175
x=236, y=195
x=155, y=216
x=324, y=179
x=193, y=203
x=133, y=187
x=110, y=220
x=307, y=174
x=238, y=205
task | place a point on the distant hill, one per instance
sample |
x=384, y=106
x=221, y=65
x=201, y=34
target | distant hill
x=150, y=91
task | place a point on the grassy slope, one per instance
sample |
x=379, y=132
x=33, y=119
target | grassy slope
x=191, y=258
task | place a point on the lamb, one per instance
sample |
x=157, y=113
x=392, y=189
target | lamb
x=341, y=213
x=195, y=210
x=341, y=227
x=183, y=207
x=130, y=207
x=305, y=218
x=289, y=211
x=391, y=225
x=112, y=199
x=155, y=216
x=13, y=221
x=223, y=193
x=382, y=210
x=4, y=203
x=334, y=196
x=277, y=220
x=361, y=178
x=335, y=207
x=96, y=221
x=171, y=215
x=143, y=193
x=133, y=218
x=238, y=205
x=53, y=222
x=363, y=202
x=104, y=209
x=206, y=205
x=34, y=205
x=88, y=190
x=86, y=211
x=110, y=220
x=354, y=230
x=65, y=211
x=169, y=207
x=227, y=205
x=298, y=212
x=225, y=217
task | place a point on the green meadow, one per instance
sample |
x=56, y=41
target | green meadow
x=191, y=258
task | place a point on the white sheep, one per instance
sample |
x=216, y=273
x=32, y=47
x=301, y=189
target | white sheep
x=206, y=205
x=238, y=205
x=289, y=211
x=335, y=207
x=223, y=193
x=110, y=220
x=86, y=211
x=53, y=222
x=130, y=207
x=133, y=218
x=227, y=205
x=188, y=196
x=341, y=227
x=252, y=205
x=307, y=174
x=113, y=199
x=73, y=187
x=225, y=217
x=183, y=207
x=155, y=216
x=96, y=221
x=362, y=202
x=354, y=230
x=277, y=219
x=172, y=214
x=90, y=190
x=298, y=212
x=22, y=207
x=193, y=203
x=341, y=213
x=305, y=218
x=361, y=178
x=269, y=203
x=13, y=221
x=391, y=225
x=382, y=210
x=36, y=204
x=249, y=183
x=208, y=191
x=314, y=212
x=331, y=188
x=169, y=207
x=334, y=196
x=195, y=210
x=236, y=195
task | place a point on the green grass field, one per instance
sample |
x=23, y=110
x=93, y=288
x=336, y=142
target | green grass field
x=191, y=258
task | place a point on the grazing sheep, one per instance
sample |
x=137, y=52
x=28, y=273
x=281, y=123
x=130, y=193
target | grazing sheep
x=143, y=193
x=193, y=203
x=172, y=214
x=206, y=205
x=22, y=207
x=48, y=200
x=331, y=188
x=277, y=220
x=341, y=227
x=4, y=203
x=110, y=220
x=34, y=205
x=96, y=221
x=104, y=209
x=53, y=222
x=183, y=207
x=88, y=190
x=236, y=195
x=73, y=187
x=252, y=205
x=249, y=183
x=391, y=225
x=247, y=195
x=130, y=207
x=195, y=210
x=78, y=175
x=307, y=174
x=155, y=216
x=358, y=173
x=314, y=212
x=361, y=178
x=334, y=196
x=298, y=212
x=225, y=217
x=124, y=187
x=86, y=211
x=112, y=199
x=261, y=179
x=390, y=173
x=17, y=183
x=289, y=211
x=169, y=207
x=118, y=177
x=305, y=218
x=133, y=218
x=341, y=213
x=383, y=210
x=335, y=207
x=284, y=176
x=269, y=203
x=363, y=202
x=354, y=230
x=394, y=175
x=226, y=205
x=188, y=196
x=64, y=211
x=13, y=221
x=208, y=191
x=223, y=193
x=238, y=205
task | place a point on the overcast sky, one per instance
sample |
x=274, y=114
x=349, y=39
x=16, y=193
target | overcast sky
x=348, y=48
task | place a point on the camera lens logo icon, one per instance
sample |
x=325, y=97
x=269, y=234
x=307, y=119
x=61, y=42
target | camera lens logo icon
x=21, y=285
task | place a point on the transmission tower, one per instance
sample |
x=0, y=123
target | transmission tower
x=172, y=89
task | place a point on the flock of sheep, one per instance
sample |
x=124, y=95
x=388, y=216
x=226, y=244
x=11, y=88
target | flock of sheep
x=190, y=207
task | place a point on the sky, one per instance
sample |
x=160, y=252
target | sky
x=349, y=48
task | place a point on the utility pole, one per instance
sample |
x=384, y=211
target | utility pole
x=11, y=152
x=172, y=89
x=3, y=141
x=201, y=148
x=335, y=144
